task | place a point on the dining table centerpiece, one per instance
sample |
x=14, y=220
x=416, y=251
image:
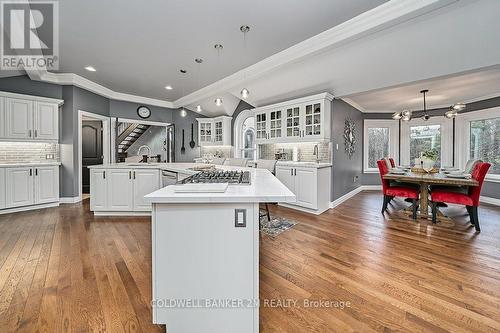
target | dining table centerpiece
x=426, y=161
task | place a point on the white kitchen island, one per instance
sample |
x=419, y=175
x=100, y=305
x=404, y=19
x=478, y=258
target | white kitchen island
x=206, y=255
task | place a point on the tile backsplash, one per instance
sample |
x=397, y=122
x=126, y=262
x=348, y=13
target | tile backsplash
x=219, y=151
x=267, y=151
x=16, y=152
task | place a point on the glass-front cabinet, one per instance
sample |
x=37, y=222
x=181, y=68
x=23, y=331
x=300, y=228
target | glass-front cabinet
x=213, y=131
x=302, y=119
x=261, y=125
x=275, y=124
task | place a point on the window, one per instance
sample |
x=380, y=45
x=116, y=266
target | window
x=424, y=138
x=484, y=142
x=380, y=140
x=418, y=136
x=478, y=137
x=248, y=149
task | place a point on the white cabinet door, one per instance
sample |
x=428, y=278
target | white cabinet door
x=145, y=182
x=120, y=187
x=98, y=189
x=2, y=188
x=46, y=184
x=2, y=117
x=46, y=121
x=285, y=175
x=261, y=125
x=19, y=118
x=313, y=120
x=19, y=189
x=306, y=187
x=293, y=128
x=275, y=125
x=205, y=133
x=218, y=132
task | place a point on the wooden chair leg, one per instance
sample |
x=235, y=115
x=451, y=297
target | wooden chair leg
x=471, y=216
x=268, y=214
x=434, y=211
x=414, y=209
x=476, y=218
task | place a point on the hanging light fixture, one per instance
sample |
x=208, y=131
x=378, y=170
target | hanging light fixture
x=244, y=29
x=426, y=115
x=198, y=61
x=218, y=47
x=183, y=110
x=458, y=107
x=406, y=115
x=454, y=109
x=396, y=115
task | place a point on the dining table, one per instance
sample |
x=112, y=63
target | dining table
x=424, y=180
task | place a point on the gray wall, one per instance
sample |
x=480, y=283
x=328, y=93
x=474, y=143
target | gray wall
x=242, y=105
x=345, y=168
x=184, y=123
x=490, y=189
x=24, y=85
x=128, y=110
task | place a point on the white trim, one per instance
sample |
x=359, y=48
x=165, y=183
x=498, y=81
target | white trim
x=462, y=135
x=303, y=209
x=393, y=126
x=354, y=104
x=238, y=124
x=26, y=208
x=489, y=200
x=106, y=144
x=69, y=200
x=346, y=197
x=446, y=138
x=372, y=188
x=59, y=102
x=122, y=213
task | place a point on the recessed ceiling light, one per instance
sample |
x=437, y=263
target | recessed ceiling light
x=169, y=87
x=90, y=69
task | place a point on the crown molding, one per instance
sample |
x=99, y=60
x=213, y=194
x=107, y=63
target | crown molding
x=381, y=17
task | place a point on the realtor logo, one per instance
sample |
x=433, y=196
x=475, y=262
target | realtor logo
x=30, y=36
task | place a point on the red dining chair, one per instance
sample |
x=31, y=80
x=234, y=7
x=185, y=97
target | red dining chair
x=470, y=199
x=393, y=164
x=396, y=191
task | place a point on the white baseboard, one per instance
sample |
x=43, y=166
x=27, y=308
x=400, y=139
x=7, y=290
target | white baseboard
x=122, y=213
x=303, y=209
x=26, y=208
x=482, y=199
x=346, y=197
x=489, y=200
x=69, y=200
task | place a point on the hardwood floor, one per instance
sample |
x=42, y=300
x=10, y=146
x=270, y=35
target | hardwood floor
x=62, y=269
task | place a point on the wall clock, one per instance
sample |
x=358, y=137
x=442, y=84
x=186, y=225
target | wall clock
x=143, y=112
x=349, y=137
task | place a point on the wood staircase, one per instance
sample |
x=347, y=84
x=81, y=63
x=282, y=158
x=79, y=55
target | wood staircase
x=128, y=135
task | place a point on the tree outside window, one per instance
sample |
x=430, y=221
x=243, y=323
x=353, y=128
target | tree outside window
x=485, y=142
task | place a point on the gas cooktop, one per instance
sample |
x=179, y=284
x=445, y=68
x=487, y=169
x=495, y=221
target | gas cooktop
x=232, y=177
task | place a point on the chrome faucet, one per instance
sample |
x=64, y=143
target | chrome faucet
x=149, y=152
x=316, y=153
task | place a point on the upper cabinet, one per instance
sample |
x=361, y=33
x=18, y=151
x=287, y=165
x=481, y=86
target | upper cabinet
x=28, y=118
x=214, y=131
x=302, y=119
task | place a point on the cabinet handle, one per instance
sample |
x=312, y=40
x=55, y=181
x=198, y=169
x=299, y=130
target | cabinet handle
x=29, y=133
x=36, y=133
x=291, y=172
x=104, y=175
x=295, y=173
x=134, y=174
x=130, y=175
x=36, y=172
x=31, y=172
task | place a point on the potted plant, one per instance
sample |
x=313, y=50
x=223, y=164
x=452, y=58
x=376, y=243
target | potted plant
x=428, y=159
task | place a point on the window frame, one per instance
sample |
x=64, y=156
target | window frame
x=393, y=126
x=446, y=138
x=462, y=132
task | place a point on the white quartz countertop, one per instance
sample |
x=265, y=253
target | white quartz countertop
x=24, y=164
x=304, y=164
x=264, y=187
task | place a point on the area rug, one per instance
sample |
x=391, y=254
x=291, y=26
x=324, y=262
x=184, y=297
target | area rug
x=276, y=226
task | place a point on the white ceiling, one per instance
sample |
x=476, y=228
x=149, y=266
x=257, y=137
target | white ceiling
x=443, y=92
x=138, y=47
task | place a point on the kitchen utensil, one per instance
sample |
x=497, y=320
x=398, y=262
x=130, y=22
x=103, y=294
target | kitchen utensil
x=192, y=143
x=183, y=149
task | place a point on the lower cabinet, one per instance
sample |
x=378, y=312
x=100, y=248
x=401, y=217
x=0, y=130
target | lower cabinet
x=122, y=190
x=2, y=188
x=26, y=186
x=311, y=186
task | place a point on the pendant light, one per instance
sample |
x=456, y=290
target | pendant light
x=218, y=47
x=183, y=73
x=426, y=115
x=244, y=29
x=199, y=61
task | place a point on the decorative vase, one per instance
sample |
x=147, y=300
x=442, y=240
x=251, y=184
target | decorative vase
x=427, y=164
